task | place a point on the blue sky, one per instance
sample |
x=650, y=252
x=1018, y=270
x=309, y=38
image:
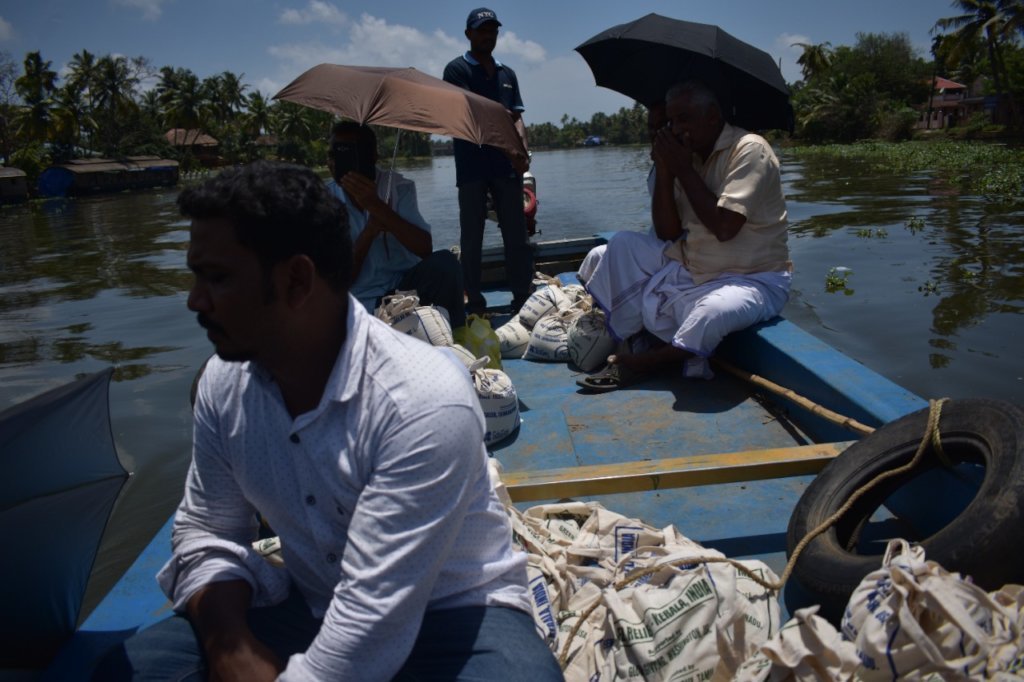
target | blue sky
x=270, y=42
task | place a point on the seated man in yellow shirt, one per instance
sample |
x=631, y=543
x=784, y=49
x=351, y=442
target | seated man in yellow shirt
x=719, y=192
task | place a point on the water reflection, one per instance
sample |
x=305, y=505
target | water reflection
x=68, y=259
x=933, y=268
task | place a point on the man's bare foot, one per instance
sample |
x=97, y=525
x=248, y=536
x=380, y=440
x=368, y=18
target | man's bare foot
x=650, y=361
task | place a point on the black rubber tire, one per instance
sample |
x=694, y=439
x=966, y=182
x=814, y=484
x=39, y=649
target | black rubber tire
x=982, y=541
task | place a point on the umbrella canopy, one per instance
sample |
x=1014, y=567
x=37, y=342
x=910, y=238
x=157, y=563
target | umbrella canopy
x=408, y=99
x=59, y=478
x=643, y=58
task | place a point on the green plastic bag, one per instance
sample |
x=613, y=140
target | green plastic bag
x=480, y=339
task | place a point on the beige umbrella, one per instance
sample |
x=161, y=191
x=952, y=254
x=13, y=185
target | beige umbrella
x=408, y=99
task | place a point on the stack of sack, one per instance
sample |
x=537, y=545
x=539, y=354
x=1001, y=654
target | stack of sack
x=498, y=398
x=617, y=599
x=557, y=323
x=910, y=619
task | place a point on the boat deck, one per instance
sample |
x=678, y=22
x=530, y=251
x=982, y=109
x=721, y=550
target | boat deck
x=717, y=459
x=666, y=418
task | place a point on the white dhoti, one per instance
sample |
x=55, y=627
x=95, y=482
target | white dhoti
x=638, y=287
x=590, y=263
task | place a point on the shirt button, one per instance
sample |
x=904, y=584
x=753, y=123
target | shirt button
x=294, y=438
x=332, y=558
x=310, y=500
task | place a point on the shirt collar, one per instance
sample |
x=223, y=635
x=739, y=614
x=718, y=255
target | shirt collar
x=727, y=138
x=346, y=375
x=475, y=62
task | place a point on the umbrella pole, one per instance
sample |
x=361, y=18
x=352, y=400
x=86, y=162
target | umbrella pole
x=391, y=180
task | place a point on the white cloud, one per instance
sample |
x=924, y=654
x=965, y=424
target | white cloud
x=6, y=30
x=316, y=12
x=151, y=9
x=551, y=86
x=372, y=42
x=785, y=46
x=526, y=50
x=564, y=85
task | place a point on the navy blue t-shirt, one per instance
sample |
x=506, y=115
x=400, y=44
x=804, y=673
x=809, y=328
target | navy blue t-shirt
x=475, y=162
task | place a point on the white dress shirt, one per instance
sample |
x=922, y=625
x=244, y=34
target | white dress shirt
x=380, y=496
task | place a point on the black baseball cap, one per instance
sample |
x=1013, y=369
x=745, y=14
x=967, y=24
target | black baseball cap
x=481, y=15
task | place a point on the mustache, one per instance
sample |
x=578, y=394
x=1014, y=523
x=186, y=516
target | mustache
x=208, y=324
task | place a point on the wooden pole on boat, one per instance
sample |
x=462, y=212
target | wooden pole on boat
x=813, y=407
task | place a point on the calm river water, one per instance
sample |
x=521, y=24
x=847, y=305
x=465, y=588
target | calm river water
x=933, y=296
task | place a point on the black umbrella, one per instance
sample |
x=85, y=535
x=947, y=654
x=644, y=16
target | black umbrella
x=643, y=58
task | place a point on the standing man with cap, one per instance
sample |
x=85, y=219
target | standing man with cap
x=481, y=169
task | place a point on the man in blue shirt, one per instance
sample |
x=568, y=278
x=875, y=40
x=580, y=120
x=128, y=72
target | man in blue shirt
x=391, y=243
x=482, y=169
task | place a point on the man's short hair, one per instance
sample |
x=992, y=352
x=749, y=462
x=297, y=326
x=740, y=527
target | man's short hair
x=278, y=210
x=700, y=94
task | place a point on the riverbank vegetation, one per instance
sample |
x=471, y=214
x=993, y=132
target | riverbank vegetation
x=117, y=106
x=992, y=170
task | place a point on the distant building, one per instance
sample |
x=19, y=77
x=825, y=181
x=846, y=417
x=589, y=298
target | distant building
x=13, y=185
x=946, y=106
x=203, y=147
x=94, y=176
x=593, y=141
x=953, y=103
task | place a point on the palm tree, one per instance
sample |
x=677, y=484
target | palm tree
x=70, y=116
x=114, y=106
x=228, y=96
x=80, y=85
x=115, y=86
x=183, y=98
x=988, y=22
x=816, y=59
x=257, y=116
x=35, y=86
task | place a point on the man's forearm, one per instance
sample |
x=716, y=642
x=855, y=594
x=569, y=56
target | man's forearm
x=721, y=222
x=412, y=237
x=664, y=212
x=218, y=611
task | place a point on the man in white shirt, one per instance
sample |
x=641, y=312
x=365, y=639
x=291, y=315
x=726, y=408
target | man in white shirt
x=718, y=200
x=362, y=447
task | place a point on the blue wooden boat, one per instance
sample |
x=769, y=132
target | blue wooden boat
x=723, y=460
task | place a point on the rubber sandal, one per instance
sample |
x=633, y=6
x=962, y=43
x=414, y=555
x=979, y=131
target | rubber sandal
x=608, y=379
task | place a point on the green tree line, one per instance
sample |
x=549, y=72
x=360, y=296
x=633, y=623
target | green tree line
x=117, y=106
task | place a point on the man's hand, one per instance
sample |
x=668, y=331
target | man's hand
x=242, y=661
x=520, y=164
x=364, y=191
x=672, y=154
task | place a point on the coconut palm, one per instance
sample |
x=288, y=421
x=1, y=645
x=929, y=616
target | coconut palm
x=115, y=86
x=227, y=95
x=257, y=116
x=70, y=116
x=184, y=99
x=987, y=22
x=816, y=58
x=36, y=86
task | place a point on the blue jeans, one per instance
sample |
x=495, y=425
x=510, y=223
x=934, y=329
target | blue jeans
x=470, y=643
x=507, y=193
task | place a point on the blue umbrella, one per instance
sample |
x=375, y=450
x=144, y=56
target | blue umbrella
x=59, y=478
